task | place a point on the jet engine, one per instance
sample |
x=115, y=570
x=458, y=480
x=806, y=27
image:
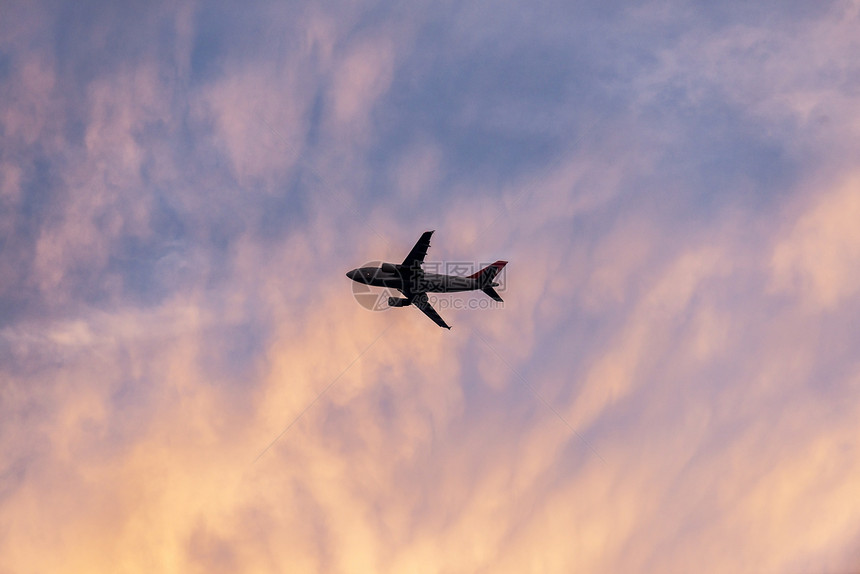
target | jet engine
x=397, y=302
x=390, y=268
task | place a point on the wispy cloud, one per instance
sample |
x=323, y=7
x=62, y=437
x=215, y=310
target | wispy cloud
x=670, y=387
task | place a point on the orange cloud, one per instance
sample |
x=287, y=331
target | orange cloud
x=819, y=257
x=649, y=399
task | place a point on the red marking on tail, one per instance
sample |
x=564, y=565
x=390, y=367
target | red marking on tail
x=485, y=276
x=496, y=267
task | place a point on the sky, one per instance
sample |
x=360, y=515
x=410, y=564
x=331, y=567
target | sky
x=188, y=384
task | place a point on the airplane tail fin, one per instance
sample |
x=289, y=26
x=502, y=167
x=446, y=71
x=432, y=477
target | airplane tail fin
x=486, y=275
x=492, y=293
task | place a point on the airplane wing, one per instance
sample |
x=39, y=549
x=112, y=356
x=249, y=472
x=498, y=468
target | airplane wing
x=420, y=300
x=419, y=252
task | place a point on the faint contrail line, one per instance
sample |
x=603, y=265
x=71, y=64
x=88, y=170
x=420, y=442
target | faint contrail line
x=538, y=395
x=313, y=402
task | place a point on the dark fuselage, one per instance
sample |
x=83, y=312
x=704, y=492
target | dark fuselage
x=412, y=280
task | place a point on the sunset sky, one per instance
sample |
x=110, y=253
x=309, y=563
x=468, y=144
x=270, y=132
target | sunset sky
x=188, y=385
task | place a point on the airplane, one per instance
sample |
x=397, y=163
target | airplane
x=411, y=280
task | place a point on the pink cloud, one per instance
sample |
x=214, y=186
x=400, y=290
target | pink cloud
x=715, y=424
x=819, y=256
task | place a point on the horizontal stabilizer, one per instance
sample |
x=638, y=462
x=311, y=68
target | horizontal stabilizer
x=492, y=293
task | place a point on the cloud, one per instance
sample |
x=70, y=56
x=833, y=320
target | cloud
x=818, y=256
x=188, y=385
x=361, y=78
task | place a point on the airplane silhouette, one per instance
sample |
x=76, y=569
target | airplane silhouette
x=411, y=280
